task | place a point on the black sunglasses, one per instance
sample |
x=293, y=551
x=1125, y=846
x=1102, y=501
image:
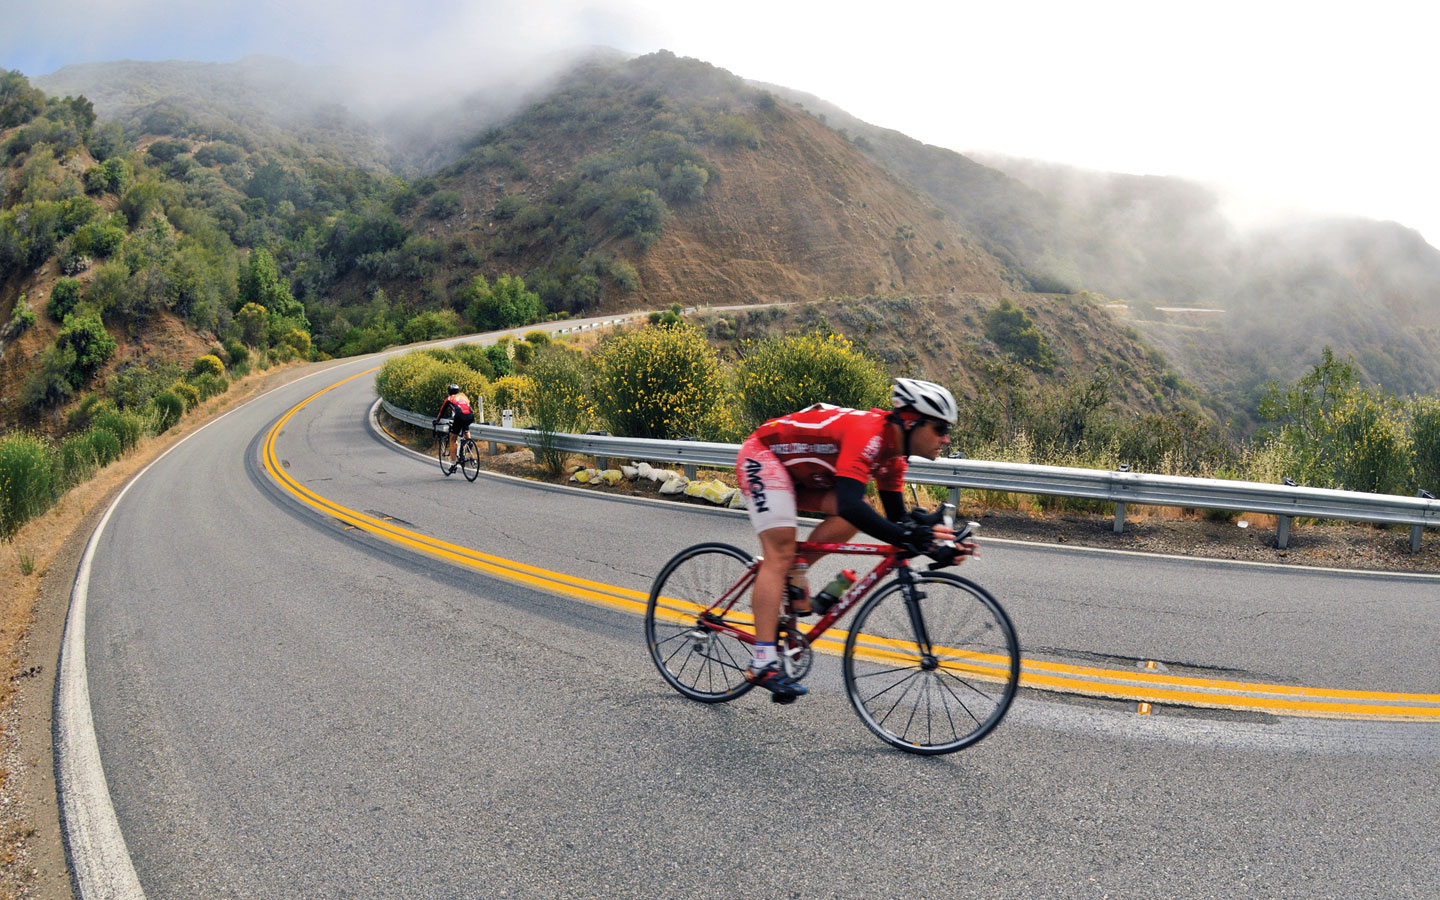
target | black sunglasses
x=941, y=428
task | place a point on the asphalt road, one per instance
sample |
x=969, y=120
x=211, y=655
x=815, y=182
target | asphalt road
x=289, y=708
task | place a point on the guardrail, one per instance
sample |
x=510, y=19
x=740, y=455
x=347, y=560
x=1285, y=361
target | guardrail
x=1284, y=501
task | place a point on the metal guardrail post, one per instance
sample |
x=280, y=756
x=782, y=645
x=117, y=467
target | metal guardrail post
x=1121, y=469
x=1282, y=534
x=1417, y=530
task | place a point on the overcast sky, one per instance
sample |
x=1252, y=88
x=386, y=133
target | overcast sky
x=1318, y=106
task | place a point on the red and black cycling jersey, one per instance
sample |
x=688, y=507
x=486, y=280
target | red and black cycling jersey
x=822, y=442
x=453, y=407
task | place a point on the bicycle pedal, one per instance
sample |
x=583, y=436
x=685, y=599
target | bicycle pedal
x=783, y=699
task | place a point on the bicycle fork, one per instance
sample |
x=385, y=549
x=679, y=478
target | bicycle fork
x=913, y=596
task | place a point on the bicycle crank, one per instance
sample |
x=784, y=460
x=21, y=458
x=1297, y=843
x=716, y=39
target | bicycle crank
x=795, y=652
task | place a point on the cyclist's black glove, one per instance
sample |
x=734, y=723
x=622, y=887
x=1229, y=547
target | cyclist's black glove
x=944, y=556
x=917, y=537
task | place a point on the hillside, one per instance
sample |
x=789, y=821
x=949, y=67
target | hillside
x=260, y=101
x=945, y=339
x=662, y=180
x=631, y=183
x=1368, y=289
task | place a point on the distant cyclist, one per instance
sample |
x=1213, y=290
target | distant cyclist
x=820, y=459
x=456, y=408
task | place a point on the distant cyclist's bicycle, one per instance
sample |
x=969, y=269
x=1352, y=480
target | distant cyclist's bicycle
x=468, y=455
x=931, y=662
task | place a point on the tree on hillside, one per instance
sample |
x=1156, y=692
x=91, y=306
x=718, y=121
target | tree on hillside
x=506, y=304
x=19, y=102
x=1013, y=331
x=262, y=285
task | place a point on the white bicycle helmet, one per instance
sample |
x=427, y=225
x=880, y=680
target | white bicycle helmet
x=924, y=397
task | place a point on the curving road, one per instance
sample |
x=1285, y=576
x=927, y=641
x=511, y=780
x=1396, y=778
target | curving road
x=289, y=707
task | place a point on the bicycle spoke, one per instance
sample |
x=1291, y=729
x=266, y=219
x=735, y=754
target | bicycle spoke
x=963, y=705
x=909, y=682
x=916, y=666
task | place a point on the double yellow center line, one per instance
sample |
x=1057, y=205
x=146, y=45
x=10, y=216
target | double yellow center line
x=1141, y=686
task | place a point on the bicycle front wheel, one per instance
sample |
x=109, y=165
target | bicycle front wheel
x=469, y=459
x=685, y=621
x=939, y=680
x=442, y=449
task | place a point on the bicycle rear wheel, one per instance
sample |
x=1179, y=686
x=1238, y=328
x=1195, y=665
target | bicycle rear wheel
x=441, y=452
x=946, y=699
x=697, y=658
x=469, y=459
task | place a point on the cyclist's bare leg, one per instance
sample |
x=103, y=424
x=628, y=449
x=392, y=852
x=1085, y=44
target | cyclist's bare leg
x=454, y=440
x=833, y=530
x=777, y=546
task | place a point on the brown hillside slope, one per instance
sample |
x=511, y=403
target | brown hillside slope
x=796, y=213
x=806, y=217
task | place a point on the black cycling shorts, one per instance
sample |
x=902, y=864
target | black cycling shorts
x=461, y=424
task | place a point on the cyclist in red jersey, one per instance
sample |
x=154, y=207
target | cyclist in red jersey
x=820, y=459
x=456, y=408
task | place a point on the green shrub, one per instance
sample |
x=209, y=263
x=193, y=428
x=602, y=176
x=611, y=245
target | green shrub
x=209, y=385
x=126, y=426
x=209, y=364
x=443, y=205
x=505, y=304
x=104, y=445
x=1374, y=449
x=513, y=392
x=499, y=357
x=560, y=402
x=188, y=393
x=417, y=381
x=1014, y=332
x=781, y=375
x=431, y=325
x=523, y=351
x=63, y=297
x=51, y=384
x=1424, y=428
x=734, y=131
x=253, y=320
x=661, y=383
x=93, y=345
x=472, y=355
x=298, y=341
x=219, y=153
x=168, y=410
x=22, y=317
x=537, y=338
x=686, y=182
x=75, y=460
x=237, y=352
x=27, y=480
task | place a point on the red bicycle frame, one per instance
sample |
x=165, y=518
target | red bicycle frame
x=893, y=559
